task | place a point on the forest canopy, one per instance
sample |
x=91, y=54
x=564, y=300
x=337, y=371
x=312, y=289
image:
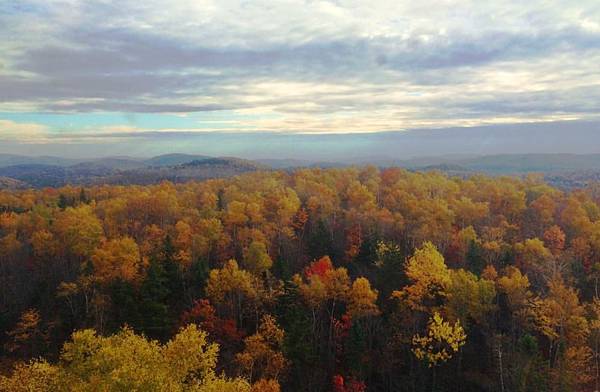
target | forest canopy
x=344, y=280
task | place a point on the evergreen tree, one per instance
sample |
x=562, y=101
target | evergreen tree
x=83, y=197
x=366, y=258
x=320, y=242
x=529, y=370
x=298, y=342
x=63, y=202
x=281, y=269
x=173, y=275
x=475, y=260
x=154, y=312
x=199, y=273
x=125, y=304
x=390, y=261
x=355, y=350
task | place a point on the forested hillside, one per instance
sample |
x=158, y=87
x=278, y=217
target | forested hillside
x=343, y=280
x=117, y=171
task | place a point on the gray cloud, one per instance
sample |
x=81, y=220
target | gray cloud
x=114, y=51
x=414, y=64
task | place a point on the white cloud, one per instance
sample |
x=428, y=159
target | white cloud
x=28, y=132
x=316, y=66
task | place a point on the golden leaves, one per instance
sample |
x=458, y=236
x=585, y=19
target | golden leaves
x=262, y=357
x=429, y=276
x=362, y=299
x=229, y=280
x=441, y=342
x=117, y=259
x=126, y=361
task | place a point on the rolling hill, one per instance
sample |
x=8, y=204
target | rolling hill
x=173, y=159
x=124, y=172
x=11, y=183
x=565, y=170
x=200, y=169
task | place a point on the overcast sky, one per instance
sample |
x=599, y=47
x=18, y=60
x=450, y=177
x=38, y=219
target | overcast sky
x=128, y=72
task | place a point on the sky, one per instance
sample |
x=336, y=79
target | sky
x=140, y=77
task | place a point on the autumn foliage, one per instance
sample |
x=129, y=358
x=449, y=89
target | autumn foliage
x=344, y=280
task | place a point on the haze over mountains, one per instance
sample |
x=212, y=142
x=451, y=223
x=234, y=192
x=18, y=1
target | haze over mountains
x=37, y=172
x=574, y=137
x=568, y=153
x=123, y=162
x=20, y=171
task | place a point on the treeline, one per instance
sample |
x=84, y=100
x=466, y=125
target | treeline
x=342, y=280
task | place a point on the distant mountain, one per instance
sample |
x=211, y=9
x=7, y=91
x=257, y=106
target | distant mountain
x=39, y=176
x=446, y=167
x=420, y=162
x=113, y=162
x=499, y=164
x=200, y=169
x=121, y=163
x=280, y=164
x=565, y=169
x=126, y=172
x=522, y=163
x=11, y=183
x=238, y=163
x=173, y=159
x=11, y=160
x=285, y=163
x=36, y=175
x=329, y=165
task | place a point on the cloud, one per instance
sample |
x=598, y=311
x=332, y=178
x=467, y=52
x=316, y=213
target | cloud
x=305, y=66
x=27, y=132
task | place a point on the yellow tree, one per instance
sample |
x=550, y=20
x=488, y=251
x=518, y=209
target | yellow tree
x=117, y=259
x=515, y=286
x=324, y=283
x=79, y=230
x=235, y=215
x=535, y=259
x=469, y=212
x=574, y=218
x=362, y=299
x=257, y=259
x=561, y=319
x=127, y=362
x=440, y=343
x=35, y=376
x=470, y=299
x=211, y=234
x=44, y=244
x=183, y=243
x=433, y=221
x=262, y=357
x=429, y=277
x=232, y=288
x=360, y=202
x=362, y=308
x=544, y=208
x=326, y=288
x=27, y=335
